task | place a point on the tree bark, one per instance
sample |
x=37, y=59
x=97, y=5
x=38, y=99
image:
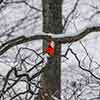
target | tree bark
x=52, y=23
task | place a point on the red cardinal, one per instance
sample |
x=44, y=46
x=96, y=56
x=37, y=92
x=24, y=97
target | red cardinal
x=50, y=49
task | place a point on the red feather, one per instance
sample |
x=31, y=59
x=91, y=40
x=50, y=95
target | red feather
x=49, y=50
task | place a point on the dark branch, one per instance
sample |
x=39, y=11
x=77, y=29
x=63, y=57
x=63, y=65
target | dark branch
x=65, y=39
x=1, y=1
x=72, y=11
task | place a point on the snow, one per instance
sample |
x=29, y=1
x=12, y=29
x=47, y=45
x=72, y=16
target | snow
x=70, y=70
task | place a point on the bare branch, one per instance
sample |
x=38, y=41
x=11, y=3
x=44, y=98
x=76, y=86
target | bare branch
x=71, y=12
x=25, y=2
x=1, y=1
x=79, y=64
x=65, y=39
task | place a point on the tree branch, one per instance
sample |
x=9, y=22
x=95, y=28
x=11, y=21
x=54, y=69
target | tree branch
x=61, y=39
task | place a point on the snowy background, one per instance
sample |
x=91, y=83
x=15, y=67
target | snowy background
x=20, y=18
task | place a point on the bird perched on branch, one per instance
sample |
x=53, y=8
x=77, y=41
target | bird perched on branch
x=50, y=49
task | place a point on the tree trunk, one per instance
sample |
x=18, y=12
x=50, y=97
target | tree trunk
x=52, y=23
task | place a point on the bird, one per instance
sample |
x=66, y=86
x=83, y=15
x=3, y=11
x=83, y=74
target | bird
x=50, y=49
